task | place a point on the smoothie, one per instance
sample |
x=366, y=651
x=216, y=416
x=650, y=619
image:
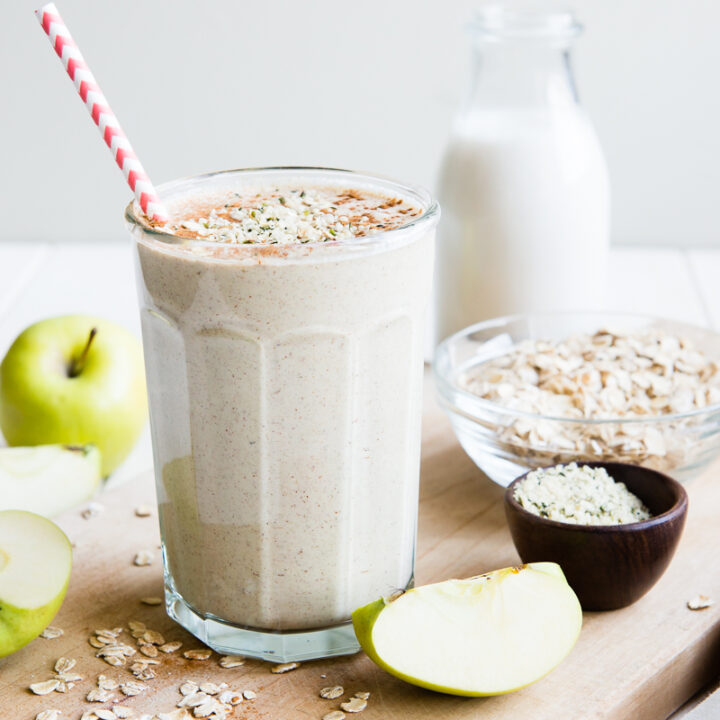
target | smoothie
x=282, y=324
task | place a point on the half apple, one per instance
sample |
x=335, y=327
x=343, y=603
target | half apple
x=486, y=635
x=35, y=564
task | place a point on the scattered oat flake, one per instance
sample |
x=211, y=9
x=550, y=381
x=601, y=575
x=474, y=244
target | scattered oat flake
x=106, y=683
x=92, y=510
x=48, y=715
x=354, y=705
x=231, y=661
x=169, y=647
x=151, y=601
x=144, y=673
x=63, y=664
x=89, y=715
x=143, y=558
x=105, y=714
x=45, y=687
x=137, y=625
x=198, y=654
x=121, y=711
x=189, y=688
x=109, y=632
x=363, y=695
x=50, y=633
x=249, y=694
x=334, y=715
x=229, y=697
x=210, y=688
x=206, y=709
x=195, y=700
x=149, y=650
x=153, y=637
x=68, y=677
x=181, y=714
x=330, y=693
x=699, y=602
x=131, y=688
x=143, y=511
x=114, y=660
x=98, y=695
x=284, y=667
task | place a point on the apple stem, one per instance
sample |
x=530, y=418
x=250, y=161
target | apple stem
x=77, y=364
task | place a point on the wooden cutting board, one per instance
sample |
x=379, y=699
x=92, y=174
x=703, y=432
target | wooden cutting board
x=640, y=663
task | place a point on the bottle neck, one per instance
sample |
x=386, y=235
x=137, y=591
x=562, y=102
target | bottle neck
x=519, y=75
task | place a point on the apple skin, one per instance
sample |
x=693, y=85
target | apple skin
x=18, y=626
x=364, y=619
x=104, y=405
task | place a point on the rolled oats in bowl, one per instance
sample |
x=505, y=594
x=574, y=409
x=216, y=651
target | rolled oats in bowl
x=531, y=391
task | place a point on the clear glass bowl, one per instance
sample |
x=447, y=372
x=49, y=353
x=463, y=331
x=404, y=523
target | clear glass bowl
x=488, y=432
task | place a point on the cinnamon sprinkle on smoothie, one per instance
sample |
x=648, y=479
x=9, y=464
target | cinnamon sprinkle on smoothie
x=289, y=215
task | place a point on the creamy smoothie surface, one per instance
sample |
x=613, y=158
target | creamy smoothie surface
x=282, y=215
x=285, y=398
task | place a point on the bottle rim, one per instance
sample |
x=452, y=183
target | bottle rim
x=531, y=21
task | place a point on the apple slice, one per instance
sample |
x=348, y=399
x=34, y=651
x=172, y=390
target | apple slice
x=35, y=564
x=48, y=479
x=486, y=635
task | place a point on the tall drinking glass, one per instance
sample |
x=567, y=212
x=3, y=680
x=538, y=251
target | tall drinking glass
x=285, y=390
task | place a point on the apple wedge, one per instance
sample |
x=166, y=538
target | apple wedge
x=35, y=564
x=486, y=635
x=48, y=479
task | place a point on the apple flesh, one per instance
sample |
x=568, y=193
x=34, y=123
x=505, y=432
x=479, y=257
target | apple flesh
x=48, y=479
x=486, y=635
x=35, y=564
x=74, y=380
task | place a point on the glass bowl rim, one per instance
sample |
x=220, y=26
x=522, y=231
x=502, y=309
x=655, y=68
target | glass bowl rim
x=446, y=388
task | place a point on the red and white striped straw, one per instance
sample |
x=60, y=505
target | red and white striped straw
x=100, y=111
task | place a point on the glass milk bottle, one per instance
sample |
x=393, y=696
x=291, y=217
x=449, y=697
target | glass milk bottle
x=523, y=185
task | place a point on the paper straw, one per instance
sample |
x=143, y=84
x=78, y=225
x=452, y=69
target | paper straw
x=100, y=112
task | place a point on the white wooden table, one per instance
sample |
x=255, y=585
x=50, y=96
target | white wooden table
x=40, y=280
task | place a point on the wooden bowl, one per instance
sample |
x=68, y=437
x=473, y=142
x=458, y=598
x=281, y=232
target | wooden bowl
x=608, y=566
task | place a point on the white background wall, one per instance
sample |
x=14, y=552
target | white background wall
x=368, y=85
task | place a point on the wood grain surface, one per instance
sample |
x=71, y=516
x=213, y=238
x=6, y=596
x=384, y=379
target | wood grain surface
x=639, y=663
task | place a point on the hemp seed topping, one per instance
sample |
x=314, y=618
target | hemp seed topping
x=292, y=215
x=580, y=495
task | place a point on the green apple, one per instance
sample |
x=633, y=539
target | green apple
x=35, y=564
x=486, y=635
x=48, y=479
x=74, y=380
